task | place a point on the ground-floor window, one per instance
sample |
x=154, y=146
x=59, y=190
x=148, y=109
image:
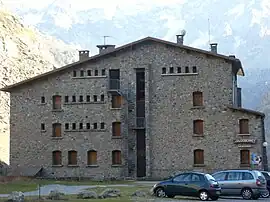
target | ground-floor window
x=245, y=157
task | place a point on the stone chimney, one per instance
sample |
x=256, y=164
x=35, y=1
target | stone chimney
x=213, y=47
x=180, y=39
x=83, y=55
x=105, y=48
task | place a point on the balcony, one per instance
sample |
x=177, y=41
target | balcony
x=140, y=123
x=114, y=86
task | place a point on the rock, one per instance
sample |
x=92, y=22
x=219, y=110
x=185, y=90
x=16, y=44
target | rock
x=139, y=193
x=16, y=197
x=109, y=193
x=87, y=195
x=55, y=195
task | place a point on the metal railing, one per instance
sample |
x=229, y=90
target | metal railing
x=114, y=84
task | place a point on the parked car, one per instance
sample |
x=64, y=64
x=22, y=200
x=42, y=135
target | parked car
x=249, y=184
x=267, y=177
x=194, y=184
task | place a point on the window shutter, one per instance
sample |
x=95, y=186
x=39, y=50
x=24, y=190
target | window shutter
x=198, y=157
x=92, y=158
x=244, y=126
x=198, y=127
x=116, y=129
x=245, y=157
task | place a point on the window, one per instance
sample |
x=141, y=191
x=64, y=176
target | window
x=91, y=157
x=234, y=176
x=116, y=101
x=73, y=98
x=186, y=69
x=198, y=127
x=198, y=156
x=178, y=69
x=81, y=73
x=72, y=157
x=103, y=72
x=88, y=126
x=74, y=73
x=197, y=98
x=197, y=177
x=247, y=176
x=81, y=126
x=95, y=125
x=116, y=129
x=42, y=127
x=243, y=126
x=67, y=126
x=102, y=125
x=57, y=130
x=56, y=158
x=182, y=178
x=56, y=102
x=102, y=98
x=245, y=157
x=88, y=98
x=194, y=69
x=96, y=72
x=66, y=98
x=95, y=98
x=42, y=99
x=73, y=126
x=171, y=70
x=89, y=73
x=164, y=70
x=81, y=98
x=116, y=157
x=220, y=176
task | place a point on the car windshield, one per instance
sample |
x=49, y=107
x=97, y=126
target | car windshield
x=210, y=177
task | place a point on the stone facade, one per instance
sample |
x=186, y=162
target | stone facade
x=170, y=141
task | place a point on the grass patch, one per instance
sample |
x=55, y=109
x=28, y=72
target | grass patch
x=32, y=185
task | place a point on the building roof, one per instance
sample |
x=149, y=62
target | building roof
x=234, y=61
x=247, y=111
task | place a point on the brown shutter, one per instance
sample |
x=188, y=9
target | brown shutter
x=92, y=158
x=198, y=127
x=244, y=126
x=116, y=101
x=245, y=157
x=198, y=157
x=57, y=158
x=72, y=157
x=116, y=129
x=116, y=157
x=197, y=99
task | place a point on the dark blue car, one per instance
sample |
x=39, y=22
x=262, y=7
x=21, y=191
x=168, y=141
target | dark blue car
x=194, y=184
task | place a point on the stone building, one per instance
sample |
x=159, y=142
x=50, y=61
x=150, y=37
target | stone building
x=145, y=109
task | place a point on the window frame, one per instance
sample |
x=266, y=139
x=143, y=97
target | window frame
x=198, y=127
x=116, y=132
x=57, y=106
x=56, y=161
x=197, y=153
x=116, y=157
x=197, y=98
x=244, y=126
x=56, y=126
x=90, y=161
x=246, y=159
x=72, y=158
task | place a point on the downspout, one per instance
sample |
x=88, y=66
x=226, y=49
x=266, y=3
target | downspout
x=264, y=151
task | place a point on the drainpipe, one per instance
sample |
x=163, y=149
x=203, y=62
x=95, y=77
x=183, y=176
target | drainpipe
x=264, y=151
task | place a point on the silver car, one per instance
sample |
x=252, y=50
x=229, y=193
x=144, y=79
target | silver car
x=249, y=184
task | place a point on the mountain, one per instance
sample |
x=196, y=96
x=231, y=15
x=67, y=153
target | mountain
x=24, y=53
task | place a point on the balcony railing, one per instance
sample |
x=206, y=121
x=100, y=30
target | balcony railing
x=114, y=84
x=140, y=122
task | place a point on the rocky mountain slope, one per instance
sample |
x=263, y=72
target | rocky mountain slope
x=24, y=52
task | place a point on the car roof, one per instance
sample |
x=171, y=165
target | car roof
x=192, y=172
x=237, y=171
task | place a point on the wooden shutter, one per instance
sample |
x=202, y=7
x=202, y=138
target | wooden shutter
x=116, y=101
x=57, y=158
x=198, y=157
x=72, y=158
x=245, y=157
x=198, y=127
x=92, y=157
x=116, y=129
x=197, y=99
x=57, y=130
x=243, y=126
x=57, y=102
x=116, y=157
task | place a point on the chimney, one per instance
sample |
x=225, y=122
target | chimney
x=232, y=56
x=180, y=39
x=213, y=47
x=105, y=48
x=83, y=55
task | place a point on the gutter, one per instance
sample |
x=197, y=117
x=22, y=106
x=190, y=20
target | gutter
x=264, y=150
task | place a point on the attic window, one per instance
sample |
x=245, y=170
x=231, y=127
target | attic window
x=178, y=69
x=186, y=69
x=194, y=69
x=171, y=70
x=89, y=73
x=164, y=70
x=81, y=73
x=96, y=72
x=74, y=73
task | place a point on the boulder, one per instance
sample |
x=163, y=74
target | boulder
x=55, y=195
x=139, y=193
x=110, y=193
x=16, y=196
x=87, y=195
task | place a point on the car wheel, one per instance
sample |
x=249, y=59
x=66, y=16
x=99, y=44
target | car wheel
x=265, y=194
x=203, y=195
x=214, y=198
x=171, y=196
x=246, y=193
x=160, y=192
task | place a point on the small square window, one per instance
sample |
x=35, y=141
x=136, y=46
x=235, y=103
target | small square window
x=95, y=98
x=186, y=69
x=81, y=126
x=43, y=99
x=66, y=98
x=164, y=70
x=42, y=126
x=73, y=98
x=171, y=70
x=102, y=98
x=178, y=69
x=194, y=69
x=102, y=125
x=73, y=126
x=88, y=126
x=89, y=73
x=81, y=98
x=95, y=125
x=88, y=98
x=96, y=72
x=103, y=72
x=81, y=73
x=67, y=126
x=74, y=73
